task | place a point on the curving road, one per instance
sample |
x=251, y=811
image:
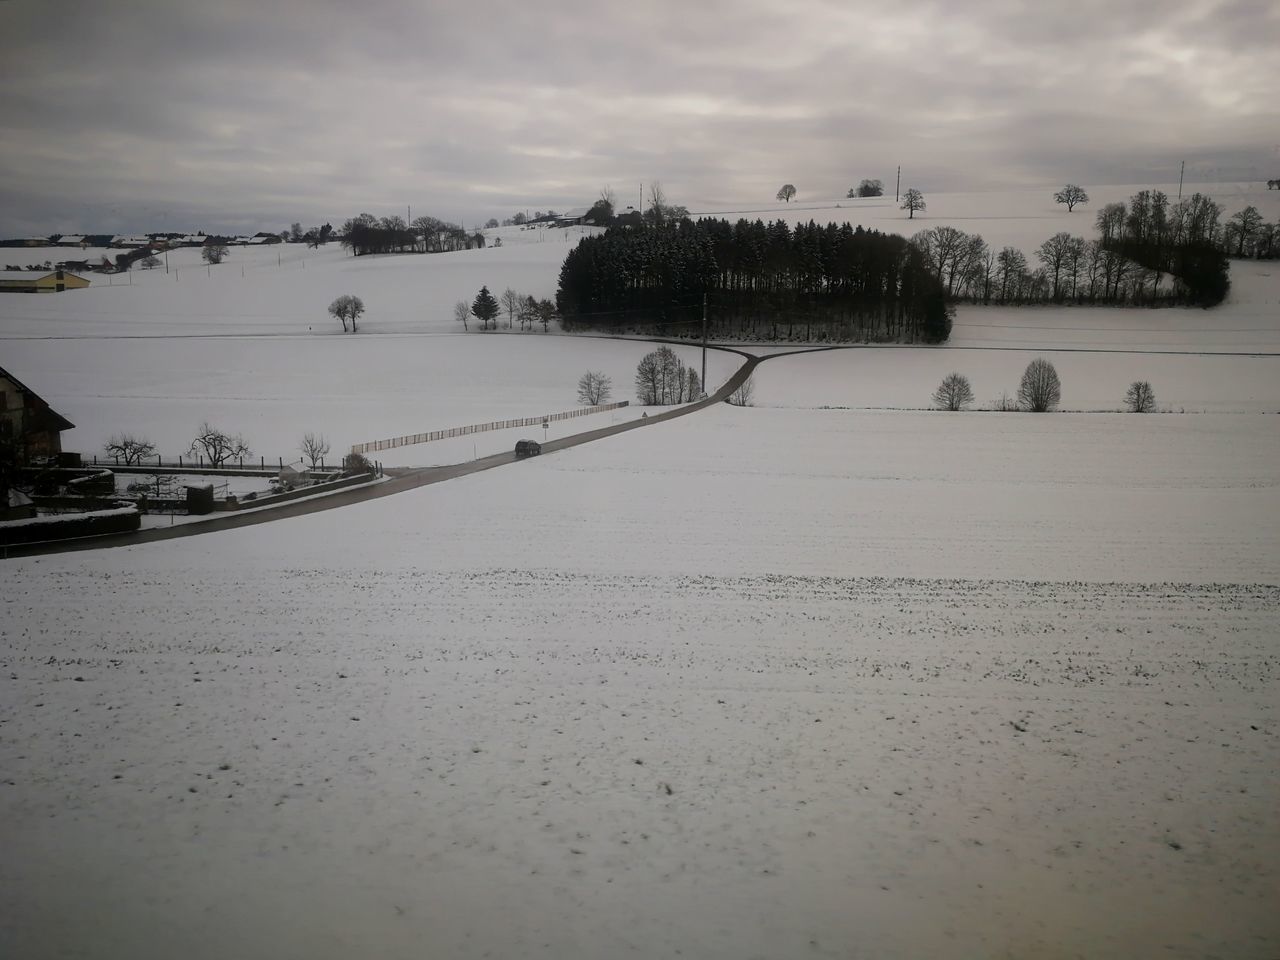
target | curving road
x=401, y=480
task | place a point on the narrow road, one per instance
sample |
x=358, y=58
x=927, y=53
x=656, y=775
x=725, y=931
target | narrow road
x=402, y=480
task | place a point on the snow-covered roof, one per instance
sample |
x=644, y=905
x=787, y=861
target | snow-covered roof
x=253, y=240
x=24, y=274
x=193, y=238
x=71, y=239
x=574, y=214
x=131, y=241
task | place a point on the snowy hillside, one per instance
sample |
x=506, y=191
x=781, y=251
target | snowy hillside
x=774, y=681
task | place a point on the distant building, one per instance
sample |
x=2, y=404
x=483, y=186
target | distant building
x=130, y=241
x=28, y=419
x=73, y=240
x=40, y=281
x=630, y=217
x=573, y=217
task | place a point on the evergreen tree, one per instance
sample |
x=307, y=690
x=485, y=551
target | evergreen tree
x=485, y=307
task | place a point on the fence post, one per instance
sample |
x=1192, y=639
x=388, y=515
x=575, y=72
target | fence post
x=263, y=461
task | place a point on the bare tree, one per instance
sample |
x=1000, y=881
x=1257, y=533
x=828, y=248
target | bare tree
x=657, y=211
x=1040, y=389
x=1056, y=253
x=461, y=313
x=742, y=396
x=1140, y=398
x=1071, y=195
x=347, y=307
x=214, y=252
x=594, y=388
x=149, y=263
x=510, y=301
x=867, y=188
x=130, y=450
x=953, y=393
x=912, y=201
x=787, y=192
x=314, y=447
x=1242, y=227
x=218, y=447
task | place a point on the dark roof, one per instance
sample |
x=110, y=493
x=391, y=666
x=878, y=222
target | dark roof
x=46, y=417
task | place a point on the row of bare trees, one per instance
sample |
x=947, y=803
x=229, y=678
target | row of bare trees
x=662, y=379
x=367, y=234
x=211, y=443
x=1039, y=391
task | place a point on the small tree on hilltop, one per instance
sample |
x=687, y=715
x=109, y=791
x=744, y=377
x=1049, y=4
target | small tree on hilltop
x=1140, y=398
x=218, y=447
x=128, y=449
x=314, y=447
x=1040, y=389
x=953, y=393
x=1071, y=195
x=214, y=252
x=461, y=311
x=485, y=307
x=347, y=307
x=869, y=188
x=594, y=388
x=787, y=192
x=912, y=201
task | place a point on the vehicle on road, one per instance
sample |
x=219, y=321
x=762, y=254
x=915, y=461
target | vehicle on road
x=527, y=448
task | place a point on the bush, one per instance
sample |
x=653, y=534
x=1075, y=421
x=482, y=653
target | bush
x=1040, y=389
x=357, y=463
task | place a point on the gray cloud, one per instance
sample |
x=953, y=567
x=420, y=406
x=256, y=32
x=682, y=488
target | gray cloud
x=138, y=114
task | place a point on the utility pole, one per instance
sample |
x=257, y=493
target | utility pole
x=897, y=187
x=704, y=343
x=1180, y=173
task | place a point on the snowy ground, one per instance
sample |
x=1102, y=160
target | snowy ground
x=1022, y=218
x=351, y=389
x=755, y=683
x=769, y=682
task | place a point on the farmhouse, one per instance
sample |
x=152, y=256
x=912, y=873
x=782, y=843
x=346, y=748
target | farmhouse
x=572, y=218
x=40, y=281
x=72, y=240
x=27, y=419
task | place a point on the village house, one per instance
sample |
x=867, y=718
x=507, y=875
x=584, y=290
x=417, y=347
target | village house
x=27, y=422
x=40, y=281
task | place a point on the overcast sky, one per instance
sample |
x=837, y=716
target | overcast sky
x=121, y=115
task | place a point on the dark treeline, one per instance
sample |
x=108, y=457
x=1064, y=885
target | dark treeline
x=369, y=234
x=1148, y=251
x=760, y=281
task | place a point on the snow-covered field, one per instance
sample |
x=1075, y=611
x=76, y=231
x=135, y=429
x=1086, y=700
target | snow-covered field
x=754, y=683
x=351, y=389
x=767, y=682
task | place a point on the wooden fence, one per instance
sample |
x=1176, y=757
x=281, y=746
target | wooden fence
x=482, y=428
